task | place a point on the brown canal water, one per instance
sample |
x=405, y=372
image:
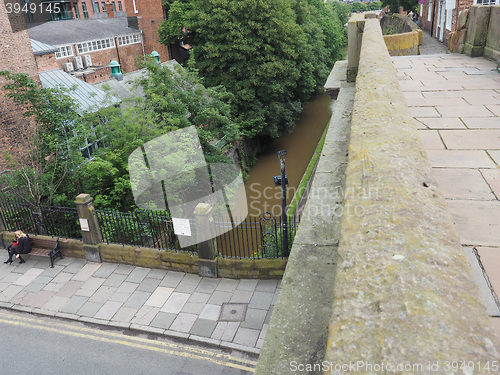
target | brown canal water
x=300, y=144
x=245, y=240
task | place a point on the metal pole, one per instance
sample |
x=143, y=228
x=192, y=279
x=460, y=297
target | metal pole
x=284, y=220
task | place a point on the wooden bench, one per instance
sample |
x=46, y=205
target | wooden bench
x=46, y=247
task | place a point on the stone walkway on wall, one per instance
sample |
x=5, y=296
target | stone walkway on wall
x=455, y=101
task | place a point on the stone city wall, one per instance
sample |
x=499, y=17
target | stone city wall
x=407, y=40
x=404, y=291
x=483, y=32
x=384, y=281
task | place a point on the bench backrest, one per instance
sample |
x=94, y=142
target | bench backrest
x=44, y=243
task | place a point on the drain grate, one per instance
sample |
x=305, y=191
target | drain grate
x=233, y=312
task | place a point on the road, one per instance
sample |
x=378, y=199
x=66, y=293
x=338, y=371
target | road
x=31, y=344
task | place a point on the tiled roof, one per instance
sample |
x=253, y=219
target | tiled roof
x=57, y=33
x=129, y=87
x=40, y=48
x=87, y=96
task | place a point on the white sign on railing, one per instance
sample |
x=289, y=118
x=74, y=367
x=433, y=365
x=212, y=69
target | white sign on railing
x=84, y=225
x=182, y=227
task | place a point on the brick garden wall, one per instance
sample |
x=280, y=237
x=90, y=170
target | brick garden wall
x=47, y=62
x=15, y=55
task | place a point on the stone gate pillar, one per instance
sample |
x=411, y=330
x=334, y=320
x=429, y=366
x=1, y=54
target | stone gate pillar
x=207, y=250
x=91, y=231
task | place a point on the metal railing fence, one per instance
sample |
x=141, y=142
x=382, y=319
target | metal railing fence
x=44, y=220
x=256, y=237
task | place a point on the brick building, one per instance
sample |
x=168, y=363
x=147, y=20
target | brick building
x=147, y=15
x=59, y=52
x=85, y=48
x=56, y=10
x=440, y=17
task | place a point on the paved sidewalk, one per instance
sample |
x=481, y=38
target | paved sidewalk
x=455, y=101
x=228, y=313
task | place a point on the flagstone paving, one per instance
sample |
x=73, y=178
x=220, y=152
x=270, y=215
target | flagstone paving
x=455, y=100
x=164, y=302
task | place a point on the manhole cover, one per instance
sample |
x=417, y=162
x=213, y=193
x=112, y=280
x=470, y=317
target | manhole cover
x=233, y=312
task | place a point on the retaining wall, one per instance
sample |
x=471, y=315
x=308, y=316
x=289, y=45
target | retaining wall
x=170, y=260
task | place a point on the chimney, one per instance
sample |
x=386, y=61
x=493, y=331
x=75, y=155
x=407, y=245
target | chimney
x=109, y=9
x=115, y=70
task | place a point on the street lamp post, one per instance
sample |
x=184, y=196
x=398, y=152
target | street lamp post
x=283, y=181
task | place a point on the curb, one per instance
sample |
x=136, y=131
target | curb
x=134, y=327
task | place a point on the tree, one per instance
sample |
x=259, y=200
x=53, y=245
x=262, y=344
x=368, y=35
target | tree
x=174, y=98
x=375, y=5
x=52, y=143
x=407, y=5
x=359, y=7
x=270, y=54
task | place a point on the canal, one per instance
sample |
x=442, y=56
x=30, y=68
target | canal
x=300, y=144
x=262, y=196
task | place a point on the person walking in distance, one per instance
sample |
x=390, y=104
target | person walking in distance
x=23, y=247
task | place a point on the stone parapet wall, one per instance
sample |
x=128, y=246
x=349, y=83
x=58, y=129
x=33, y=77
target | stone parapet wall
x=483, y=32
x=492, y=48
x=404, y=292
x=404, y=44
x=407, y=40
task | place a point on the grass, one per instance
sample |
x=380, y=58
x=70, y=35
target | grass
x=307, y=175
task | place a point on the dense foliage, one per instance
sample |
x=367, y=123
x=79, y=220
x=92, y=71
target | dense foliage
x=173, y=99
x=272, y=55
x=407, y=5
x=48, y=140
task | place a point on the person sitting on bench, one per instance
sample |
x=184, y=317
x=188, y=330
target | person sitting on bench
x=23, y=247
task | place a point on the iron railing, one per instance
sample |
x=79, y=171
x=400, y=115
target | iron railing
x=145, y=228
x=256, y=237
x=45, y=220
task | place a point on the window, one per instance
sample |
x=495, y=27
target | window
x=96, y=8
x=449, y=14
x=485, y=2
x=429, y=11
x=104, y=7
x=75, y=9
x=129, y=39
x=92, y=141
x=64, y=51
x=95, y=45
x=113, y=6
x=120, y=6
x=85, y=11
